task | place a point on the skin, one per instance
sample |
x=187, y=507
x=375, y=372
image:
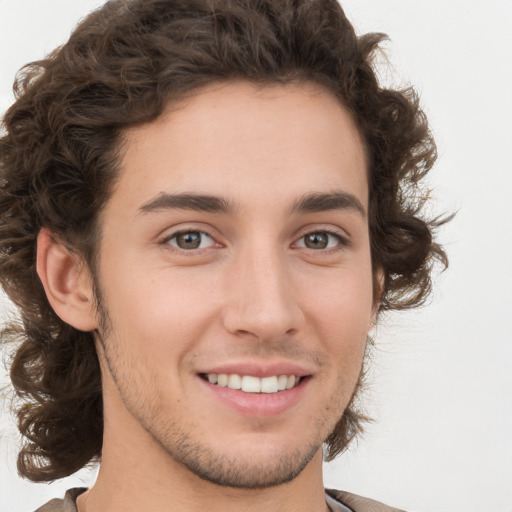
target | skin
x=256, y=292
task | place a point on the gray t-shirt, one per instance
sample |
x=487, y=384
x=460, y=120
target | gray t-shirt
x=335, y=505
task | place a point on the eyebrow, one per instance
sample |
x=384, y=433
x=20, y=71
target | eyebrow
x=309, y=203
x=322, y=202
x=196, y=202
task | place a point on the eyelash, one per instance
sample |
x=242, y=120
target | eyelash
x=167, y=241
x=342, y=244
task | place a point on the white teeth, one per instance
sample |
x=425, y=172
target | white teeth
x=251, y=384
x=235, y=381
x=281, y=382
x=269, y=385
x=291, y=382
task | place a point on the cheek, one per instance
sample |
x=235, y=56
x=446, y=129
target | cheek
x=347, y=294
x=342, y=313
x=159, y=313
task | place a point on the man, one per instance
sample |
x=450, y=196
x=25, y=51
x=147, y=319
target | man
x=204, y=206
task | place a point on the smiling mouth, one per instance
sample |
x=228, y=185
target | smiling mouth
x=251, y=384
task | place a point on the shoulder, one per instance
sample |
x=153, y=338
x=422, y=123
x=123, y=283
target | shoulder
x=360, y=504
x=68, y=504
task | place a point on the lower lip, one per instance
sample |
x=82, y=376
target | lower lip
x=258, y=404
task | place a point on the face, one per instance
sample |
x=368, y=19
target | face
x=235, y=272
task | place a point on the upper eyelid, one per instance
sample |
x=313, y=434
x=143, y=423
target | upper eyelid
x=165, y=243
x=323, y=228
x=200, y=227
x=183, y=231
x=343, y=240
x=174, y=234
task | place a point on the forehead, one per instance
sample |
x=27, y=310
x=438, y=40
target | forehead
x=242, y=140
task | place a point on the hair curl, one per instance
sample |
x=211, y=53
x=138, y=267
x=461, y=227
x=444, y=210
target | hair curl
x=58, y=163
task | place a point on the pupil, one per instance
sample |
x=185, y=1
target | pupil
x=316, y=241
x=190, y=240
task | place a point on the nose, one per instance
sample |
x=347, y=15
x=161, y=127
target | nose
x=260, y=299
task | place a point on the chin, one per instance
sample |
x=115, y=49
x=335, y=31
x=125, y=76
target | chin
x=244, y=471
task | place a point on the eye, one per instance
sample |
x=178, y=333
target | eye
x=190, y=240
x=320, y=240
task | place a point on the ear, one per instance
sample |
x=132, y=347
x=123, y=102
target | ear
x=66, y=281
x=378, y=290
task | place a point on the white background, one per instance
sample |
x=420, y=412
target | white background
x=442, y=379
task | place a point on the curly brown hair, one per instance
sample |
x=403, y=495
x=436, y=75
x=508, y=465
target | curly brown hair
x=58, y=164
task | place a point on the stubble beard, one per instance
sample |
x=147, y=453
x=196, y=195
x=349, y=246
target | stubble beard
x=239, y=472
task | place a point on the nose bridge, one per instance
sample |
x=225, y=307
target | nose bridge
x=261, y=294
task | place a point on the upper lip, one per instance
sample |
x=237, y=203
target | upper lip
x=259, y=369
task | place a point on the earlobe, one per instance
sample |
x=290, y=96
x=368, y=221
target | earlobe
x=66, y=282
